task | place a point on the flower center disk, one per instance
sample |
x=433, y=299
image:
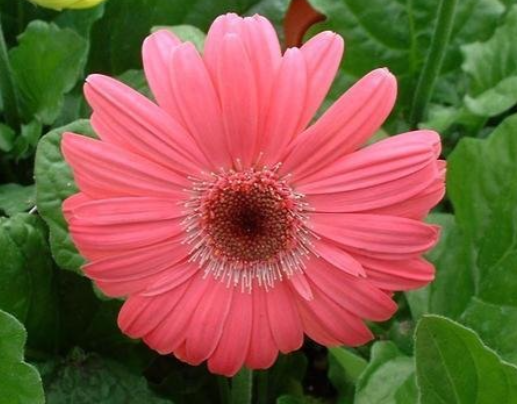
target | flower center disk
x=246, y=225
x=248, y=217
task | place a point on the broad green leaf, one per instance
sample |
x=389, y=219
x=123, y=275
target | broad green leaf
x=492, y=69
x=345, y=367
x=80, y=21
x=86, y=379
x=495, y=324
x=453, y=258
x=25, y=144
x=483, y=171
x=477, y=255
x=296, y=400
x=20, y=383
x=54, y=183
x=7, y=137
x=397, y=34
x=15, y=198
x=351, y=364
x=389, y=378
x=186, y=33
x=27, y=288
x=60, y=55
x=454, y=366
x=116, y=45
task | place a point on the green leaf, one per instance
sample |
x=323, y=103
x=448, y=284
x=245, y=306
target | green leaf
x=116, y=45
x=80, y=21
x=54, y=183
x=389, y=378
x=455, y=367
x=7, y=137
x=492, y=69
x=397, y=34
x=186, y=33
x=483, y=171
x=60, y=55
x=351, y=364
x=495, y=324
x=20, y=383
x=26, y=278
x=26, y=143
x=297, y=400
x=15, y=198
x=477, y=254
x=345, y=367
x=86, y=379
x=453, y=258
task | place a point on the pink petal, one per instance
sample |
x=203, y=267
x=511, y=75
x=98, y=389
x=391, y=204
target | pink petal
x=357, y=296
x=137, y=263
x=133, y=271
x=71, y=202
x=261, y=43
x=376, y=235
x=398, y=275
x=104, y=170
x=418, y=206
x=233, y=346
x=222, y=25
x=284, y=319
x=263, y=350
x=198, y=104
x=263, y=48
x=140, y=314
x=239, y=99
x=313, y=327
x=344, y=127
x=377, y=196
x=96, y=241
x=171, y=279
x=301, y=286
x=170, y=333
x=125, y=118
x=128, y=210
x=338, y=257
x=383, y=162
x=286, y=106
x=322, y=53
x=156, y=56
x=262, y=54
x=328, y=323
x=206, y=326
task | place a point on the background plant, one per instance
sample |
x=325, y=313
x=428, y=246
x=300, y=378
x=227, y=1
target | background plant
x=452, y=342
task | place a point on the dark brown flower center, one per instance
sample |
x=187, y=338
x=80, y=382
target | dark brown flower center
x=248, y=217
x=247, y=225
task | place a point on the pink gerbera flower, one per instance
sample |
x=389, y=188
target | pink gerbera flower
x=231, y=225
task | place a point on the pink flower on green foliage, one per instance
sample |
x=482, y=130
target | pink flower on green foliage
x=234, y=225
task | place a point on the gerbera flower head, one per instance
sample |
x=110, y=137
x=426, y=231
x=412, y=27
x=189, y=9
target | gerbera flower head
x=231, y=224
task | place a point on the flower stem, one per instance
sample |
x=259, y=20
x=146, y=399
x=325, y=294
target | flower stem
x=7, y=86
x=434, y=61
x=262, y=387
x=224, y=389
x=242, y=387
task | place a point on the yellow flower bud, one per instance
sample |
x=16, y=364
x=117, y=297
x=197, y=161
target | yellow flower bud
x=62, y=4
